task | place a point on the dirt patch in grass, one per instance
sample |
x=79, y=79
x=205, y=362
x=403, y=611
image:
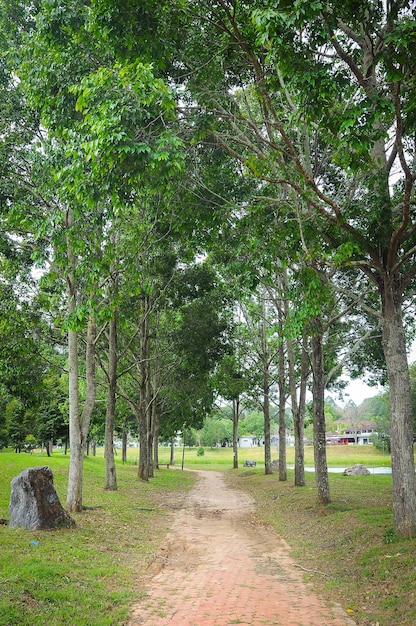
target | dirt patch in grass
x=349, y=547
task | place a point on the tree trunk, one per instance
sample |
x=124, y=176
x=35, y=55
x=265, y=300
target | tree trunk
x=282, y=403
x=318, y=391
x=266, y=413
x=402, y=455
x=79, y=426
x=143, y=406
x=124, y=446
x=172, y=451
x=267, y=448
x=155, y=434
x=110, y=466
x=150, y=415
x=76, y=445
x=236, y=415
x=297, y=416
x=265, y=360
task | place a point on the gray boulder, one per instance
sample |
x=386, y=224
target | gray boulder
x=34, y=503
x=275, y=464
x=249, y=463
x=356, y=470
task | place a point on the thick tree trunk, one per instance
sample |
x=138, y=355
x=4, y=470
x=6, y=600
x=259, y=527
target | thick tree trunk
x=403, y=467
x=318, y=391
x=236, y=415
x=110, y=466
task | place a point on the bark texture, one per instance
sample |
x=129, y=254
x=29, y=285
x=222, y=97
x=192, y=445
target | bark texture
x=401, y=412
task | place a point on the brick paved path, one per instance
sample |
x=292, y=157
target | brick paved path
x=219, y=566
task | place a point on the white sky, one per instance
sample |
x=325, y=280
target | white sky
x=358, y=391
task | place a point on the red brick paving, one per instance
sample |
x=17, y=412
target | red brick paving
x=220, y=567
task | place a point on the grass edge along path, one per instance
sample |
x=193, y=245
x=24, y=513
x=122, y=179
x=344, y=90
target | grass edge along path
x=87, y=576
x=90, y=576
x=348, y=550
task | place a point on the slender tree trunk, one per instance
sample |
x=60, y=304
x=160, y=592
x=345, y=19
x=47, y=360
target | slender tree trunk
x=110, y=466
x=155, y=405
x=282, y=403
x=297, y=416
x=79, y=426
x=124, y=446
x=236, y=415
x=318, y=391
x=143, y=406
x=266, y=413
x=265, y=359
x=402, y=455
x=155, y=422
x=172, y=451
x=150, y=414
x=76, y=445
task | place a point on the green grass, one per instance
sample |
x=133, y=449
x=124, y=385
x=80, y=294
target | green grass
x=349, y=546
x=221, y=458
x=88, y=575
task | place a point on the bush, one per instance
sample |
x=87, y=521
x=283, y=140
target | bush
x=200, y=451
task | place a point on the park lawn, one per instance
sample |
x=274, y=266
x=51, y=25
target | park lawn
x=221, y=458
x=89, y=575
x=348, y=550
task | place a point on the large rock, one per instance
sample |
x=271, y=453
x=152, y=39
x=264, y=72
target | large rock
x=248, y=463
x=34, y=503
x=356, y=470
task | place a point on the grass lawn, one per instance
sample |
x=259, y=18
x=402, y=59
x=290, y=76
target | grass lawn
x=349, y=547
x=221, y=458
x=87, y=576
x=91, y=574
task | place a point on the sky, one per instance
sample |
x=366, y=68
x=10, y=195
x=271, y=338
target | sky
x=358, y=391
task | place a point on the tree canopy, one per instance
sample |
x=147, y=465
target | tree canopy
x=160, y=162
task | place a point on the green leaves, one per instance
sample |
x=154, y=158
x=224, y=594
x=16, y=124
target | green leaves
x=125, y=125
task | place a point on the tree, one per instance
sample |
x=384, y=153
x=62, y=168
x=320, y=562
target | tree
x=232, y=383
x=110, y=125
x=345, y=75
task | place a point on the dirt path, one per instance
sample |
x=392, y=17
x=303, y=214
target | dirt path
x=219, y=566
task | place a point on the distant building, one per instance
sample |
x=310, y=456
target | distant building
x=251, y=441
x=358, y=433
